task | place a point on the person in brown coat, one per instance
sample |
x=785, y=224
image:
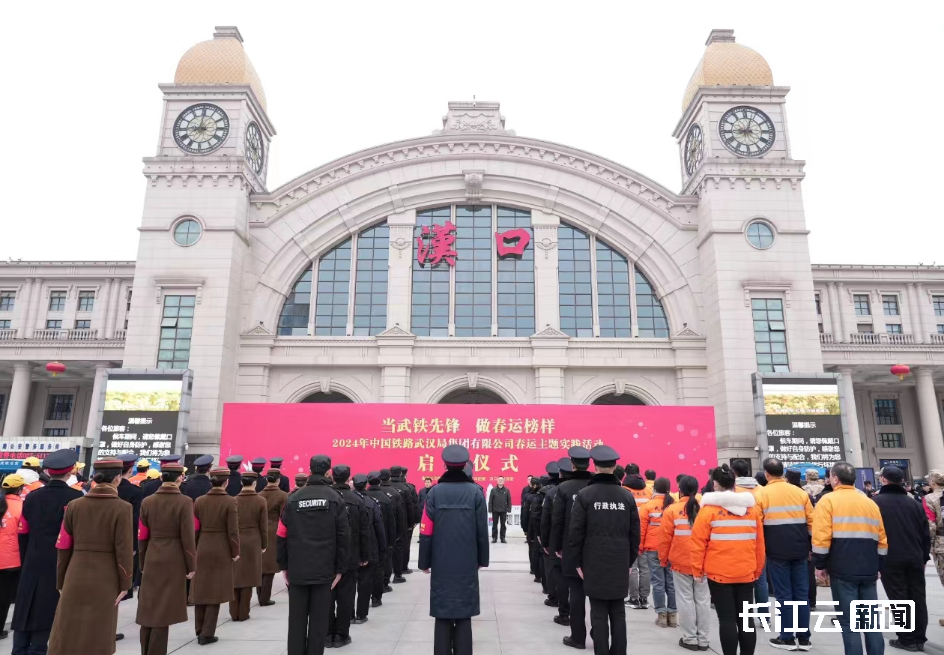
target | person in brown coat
x=275, y=502
x=253, y=538
x=217, y=529
x=166, y=543
x=96, y=563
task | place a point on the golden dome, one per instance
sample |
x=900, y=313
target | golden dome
x=221, y=60
x=726, y=63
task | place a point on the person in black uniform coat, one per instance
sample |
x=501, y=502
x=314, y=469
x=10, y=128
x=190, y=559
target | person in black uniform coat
x=199, y=483
x=313, y=541
x=604, y=539
x=552, y=572
x=377, y=547
x=411, y=503
x=388, y=508
x=579, y=462
x=403, y=518
x=235, y=484
x=534, y=524
x=36, y=596
x=276, y=463
x=453, y=547
x=131, y=494
x=258, y=465
x=342, y=596
x=525, y=519
x=556, y=578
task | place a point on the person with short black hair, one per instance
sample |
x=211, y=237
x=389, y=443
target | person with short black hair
x=341, y=611
x=650, y=478
x=427, y=485
x=909, y=549
x=849, y=544
x=867, y=488
x=499, y=505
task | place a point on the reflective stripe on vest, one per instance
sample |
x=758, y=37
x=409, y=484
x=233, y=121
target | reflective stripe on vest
x=733, y=523
x=856, y=519
x=681, y=521
x=739, y=536
x=797, y=520
x=655, y=515
x=683, y=532
x=843, y=534
x=786, y=508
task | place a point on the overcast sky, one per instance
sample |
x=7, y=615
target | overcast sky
x=81, y=105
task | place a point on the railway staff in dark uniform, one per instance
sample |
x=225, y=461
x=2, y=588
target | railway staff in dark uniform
x=604, y=538
x=275, y=503
x=400, y=505
x=313, y=550
x=555, y=576
x=258, y=465
x=453, y=547
x=578, y=461
x=376, y=547
x=342, y=596
x=547, y=494
x=301, y=479
x=411, y=504
x=199, y=483
x=276, y=463
x=235, y=484
x=388, y=504
x=253, y=538
x=36, y=596
x=131, y=493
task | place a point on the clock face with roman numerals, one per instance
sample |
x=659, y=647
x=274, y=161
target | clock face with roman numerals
x=746, y=131
x=255, y=150
x=201, y=129
x=694, y=149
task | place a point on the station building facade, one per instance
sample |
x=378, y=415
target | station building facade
x=474, y=265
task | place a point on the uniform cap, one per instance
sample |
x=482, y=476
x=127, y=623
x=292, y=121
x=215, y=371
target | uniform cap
x=59, y=462
x=13, y=481
x=127, y=459
x=341, y=472
x=249, y=474
x=259, y=461
x=219, y=470
x=168, y=459
x=276, y=462
x=203, y=460
x=564, y=465
x=144, y=463
x=552, y=468
x=384, y=474
x=319, y=464
x=104, y=464
x=603, y=455
x=360, y=480
x=234, y=460
x=271, y=470
x=395, y=471
x=455, y=455
x=578, y=452
x=893, y=474
x=373, y=477
x=300, y=478
x=31, y=461
x=173, y=467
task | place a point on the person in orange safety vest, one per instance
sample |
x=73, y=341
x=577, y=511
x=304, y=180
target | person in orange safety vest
x=660, y=576
x=143, y=465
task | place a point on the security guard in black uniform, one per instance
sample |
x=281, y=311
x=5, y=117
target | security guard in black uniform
x=276, y=463
x=235, y=483
x=377, y=546
x=604, y=540
x=313, y=541
x=400, y=506
x=389, y=511
x=199, y=483
x=550, y=575
x=578, y=462
x=556, y=576
x=411, y=501
x=342, y=596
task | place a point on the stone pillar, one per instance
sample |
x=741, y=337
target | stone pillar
x=546, y=289
x=114, y=293
x=853, y=452
x=104, y=297
x=843, y=318
x=549, y=385
x=395, y=384
x=18, y=407
x=93, y=427
x=930, y=420
x=922, y=309
x=23, y=306
x=835, y=317
x=914, y=315
x=400, y=271
x=32, y=317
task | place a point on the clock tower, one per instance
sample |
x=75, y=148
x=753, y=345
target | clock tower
x=757, y=286
x=212, y=154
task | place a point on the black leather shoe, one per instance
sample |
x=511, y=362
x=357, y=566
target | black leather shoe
x=4, y=634
x=376, y=603
x=203, y=641
x=562, y=620
x=341, y=642
x=399, y=580
x=895, y=643
x=329, y=642
x=387, y=589
x=408, y=571
x=503, y=541
x=494, y=541
x=267, y=603
x=358, y=620
x=119, y=637
x=537, y=578
x=569, y=641
x=550, y=603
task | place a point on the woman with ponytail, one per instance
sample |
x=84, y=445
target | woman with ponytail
x=650, y=527
x=694, y=600
x=727, y=548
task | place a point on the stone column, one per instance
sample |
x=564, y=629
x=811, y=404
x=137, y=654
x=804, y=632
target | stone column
x=395, y=384
x=104, y=315
x=835, y=322
x=841, y=303
x=18, y=407
x=23, y=306
x=549, y=385
x=546, y=289
x=930, y=420
x=93, y=426
x=853, y=452
x=35, y=308
x=922, y=310
x=114, y=294
x=400, y=272
x=914, y=315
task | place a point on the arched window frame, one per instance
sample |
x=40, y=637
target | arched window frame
x=352, y=285
x=595, y=294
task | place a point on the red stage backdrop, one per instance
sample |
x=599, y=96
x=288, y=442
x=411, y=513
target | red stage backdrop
x=503, y=440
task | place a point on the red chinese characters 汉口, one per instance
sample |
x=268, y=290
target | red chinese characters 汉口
x=435, y=245
x=512, y=242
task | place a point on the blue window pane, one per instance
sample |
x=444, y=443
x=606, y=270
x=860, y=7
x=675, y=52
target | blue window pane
x=770, y=345
x=648, y=305
x=176, y=332
x=431, y=283
x=574, y=255
x=370, y=292
x=612, y=290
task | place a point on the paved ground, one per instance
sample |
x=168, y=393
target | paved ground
x=514, y=621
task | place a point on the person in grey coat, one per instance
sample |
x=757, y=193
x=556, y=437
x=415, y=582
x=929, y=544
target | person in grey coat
x=499, y=504
x=453, y=547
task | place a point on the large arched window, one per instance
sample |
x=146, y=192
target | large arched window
x=334, y=313
x=597, y=293
x=485, y=294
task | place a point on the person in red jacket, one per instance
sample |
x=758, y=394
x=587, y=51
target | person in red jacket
x=727, y=546
x=11, y=509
